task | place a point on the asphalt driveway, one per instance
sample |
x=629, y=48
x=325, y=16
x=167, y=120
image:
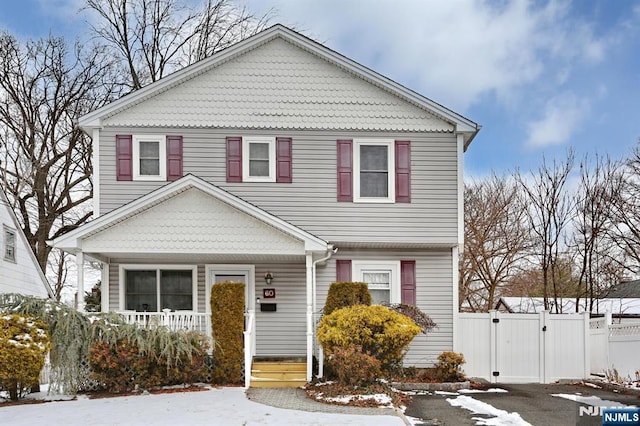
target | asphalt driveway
x=520, y=404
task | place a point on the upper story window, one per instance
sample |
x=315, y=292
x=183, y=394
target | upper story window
x=259, y=160
x=149, y=157
x=374, y=177
x=9, y=244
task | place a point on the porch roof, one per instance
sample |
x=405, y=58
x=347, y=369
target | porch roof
x=189, y=216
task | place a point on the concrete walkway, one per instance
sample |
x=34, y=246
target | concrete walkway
x=296, y=399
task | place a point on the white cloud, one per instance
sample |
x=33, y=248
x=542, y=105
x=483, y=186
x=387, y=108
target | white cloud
x=561, y=117
x=454, y=51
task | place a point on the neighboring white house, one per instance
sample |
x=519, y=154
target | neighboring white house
x=19, y=269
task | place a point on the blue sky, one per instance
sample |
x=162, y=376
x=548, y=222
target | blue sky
x=539, y=76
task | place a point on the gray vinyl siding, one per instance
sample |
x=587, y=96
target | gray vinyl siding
x=280, y=333
x=434, y=296
x=310, y=201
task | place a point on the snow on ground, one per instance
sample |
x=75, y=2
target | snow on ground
x=589, y=400
x=222, y=406
x=498, y=417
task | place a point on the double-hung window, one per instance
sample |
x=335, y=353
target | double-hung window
x=9, y=244
x=149, y=157
x=374, y=177
x=259, y=159
x=382, y=278
x=154, y=289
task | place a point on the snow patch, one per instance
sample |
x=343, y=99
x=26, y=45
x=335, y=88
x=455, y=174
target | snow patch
x=490, y=390
x=589, y=400
x=498, y=417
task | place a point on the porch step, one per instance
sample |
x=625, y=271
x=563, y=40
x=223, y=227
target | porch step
x=278, y=374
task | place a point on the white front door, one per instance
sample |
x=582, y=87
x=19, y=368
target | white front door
x=235, y=273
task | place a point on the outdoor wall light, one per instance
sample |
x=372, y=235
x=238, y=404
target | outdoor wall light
x=268, y=277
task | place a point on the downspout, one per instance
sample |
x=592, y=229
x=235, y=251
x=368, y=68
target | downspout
x=331, y=250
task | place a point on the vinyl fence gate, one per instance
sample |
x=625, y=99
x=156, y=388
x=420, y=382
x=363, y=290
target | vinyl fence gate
x=524, y=348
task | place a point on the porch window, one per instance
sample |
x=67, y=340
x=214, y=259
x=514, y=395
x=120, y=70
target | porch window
x=153, y=290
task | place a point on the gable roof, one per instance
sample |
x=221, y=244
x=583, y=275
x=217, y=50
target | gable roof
x=414, y=112
x=73, y=240
x=32, y=274
x=624, y=289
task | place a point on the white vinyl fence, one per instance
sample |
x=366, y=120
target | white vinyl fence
x=524, y=348
x=615, y=347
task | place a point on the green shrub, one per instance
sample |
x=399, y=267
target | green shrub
x=122, y=365
x=353, y=367
x=449, y=365
x=343, y=294
x=227, y=323
x=380, y=331
x=24, y=344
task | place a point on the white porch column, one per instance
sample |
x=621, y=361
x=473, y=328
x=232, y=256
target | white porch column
x=104, y=288
x=80, y=279
x=309, y=257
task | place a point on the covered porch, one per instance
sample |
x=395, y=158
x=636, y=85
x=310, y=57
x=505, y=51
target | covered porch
x=161, y=254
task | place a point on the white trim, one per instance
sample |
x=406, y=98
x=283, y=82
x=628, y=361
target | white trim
x=246, y=141
x=162, y=152
x=454, y=288
x=80, y=281
x=391, y=172
x=211, y=270
x=393, y=266
x=157, y=267
x=104, y=288
x=460, y=188
x=95, y=141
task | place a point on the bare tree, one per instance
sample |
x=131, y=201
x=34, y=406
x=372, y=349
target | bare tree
x=45, y=160
x=153, y=38
x=625, y=213
x=549, y=211
x=497, y=239
x=600, y=183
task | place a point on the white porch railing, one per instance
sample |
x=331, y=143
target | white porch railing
x=174, y=321
x=249, y=345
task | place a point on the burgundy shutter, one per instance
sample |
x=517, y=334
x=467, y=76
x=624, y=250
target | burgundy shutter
x=343, y=271
x=174, y=157
x=403, y=172
x=283, y=160
x=345, y=170
x=124, y=157
x=234, y=159
x=408, y=282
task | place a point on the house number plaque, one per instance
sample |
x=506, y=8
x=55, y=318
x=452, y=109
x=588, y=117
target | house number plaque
x=269, y=293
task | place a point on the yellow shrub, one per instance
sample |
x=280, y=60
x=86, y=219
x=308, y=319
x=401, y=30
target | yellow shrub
x=380, y=331
x=24, y=343
x=449, y=366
